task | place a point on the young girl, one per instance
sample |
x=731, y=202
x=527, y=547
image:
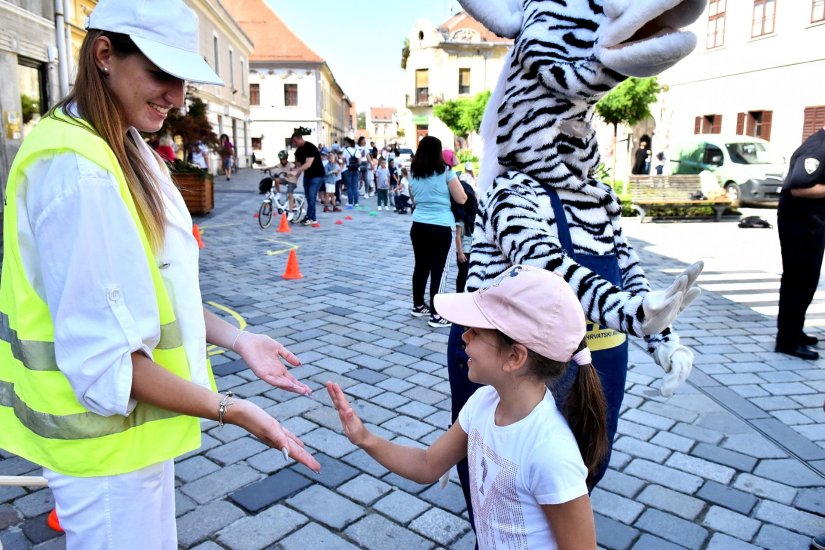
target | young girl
x=528, y=482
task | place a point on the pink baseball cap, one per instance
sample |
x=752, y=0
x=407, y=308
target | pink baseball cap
x=533, y=306
x=449, y=157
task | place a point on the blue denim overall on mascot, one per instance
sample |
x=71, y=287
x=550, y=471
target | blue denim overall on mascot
x=608, y=347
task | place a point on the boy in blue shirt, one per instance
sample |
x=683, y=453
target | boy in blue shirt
x=331, y=169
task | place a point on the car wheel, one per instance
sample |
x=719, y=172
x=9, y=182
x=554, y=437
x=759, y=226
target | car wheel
x=734, y=194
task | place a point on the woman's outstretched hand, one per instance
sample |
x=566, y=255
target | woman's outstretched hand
x=263, y=355
x=259, y=423
x=353, y=428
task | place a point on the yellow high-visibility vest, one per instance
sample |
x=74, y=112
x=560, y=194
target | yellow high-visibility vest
x=41, y=419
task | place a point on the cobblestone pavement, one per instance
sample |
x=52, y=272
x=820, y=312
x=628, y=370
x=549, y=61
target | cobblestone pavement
x=735, y=460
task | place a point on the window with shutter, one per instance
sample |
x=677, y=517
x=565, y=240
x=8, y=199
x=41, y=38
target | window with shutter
x=254, y=94
x=715, y=124
x=740, y=123
x=813, y=121
x=464, y=81
x=422, y=86
x=290, y=95
x=697, y=125
x=765, y=130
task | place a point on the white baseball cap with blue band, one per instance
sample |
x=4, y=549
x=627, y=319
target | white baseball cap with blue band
x=165, y=31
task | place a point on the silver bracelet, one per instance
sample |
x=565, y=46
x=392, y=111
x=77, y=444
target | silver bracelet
x=223, y=405
x=237, y=337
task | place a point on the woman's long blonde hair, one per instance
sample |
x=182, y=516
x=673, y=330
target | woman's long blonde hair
x=98, y=106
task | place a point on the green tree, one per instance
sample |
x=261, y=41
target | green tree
x=463, y=116
x=451, y=113
x=30, y=107
x=474, y=112
x=362, y=121
x=629, y=103
x=405, y=53
x=192, y=125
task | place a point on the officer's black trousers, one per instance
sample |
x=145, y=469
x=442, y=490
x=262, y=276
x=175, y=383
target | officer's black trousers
x=802, y=240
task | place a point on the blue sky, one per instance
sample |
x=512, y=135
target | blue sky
x=361, y=40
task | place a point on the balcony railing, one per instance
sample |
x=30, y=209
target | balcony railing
x=423, y=99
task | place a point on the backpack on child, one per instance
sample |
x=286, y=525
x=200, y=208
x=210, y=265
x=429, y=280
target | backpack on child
x=353, y=162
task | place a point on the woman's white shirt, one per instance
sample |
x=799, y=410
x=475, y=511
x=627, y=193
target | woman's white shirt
x=81, y=250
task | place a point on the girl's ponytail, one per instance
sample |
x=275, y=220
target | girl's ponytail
x=585, y=408
x=586, y=412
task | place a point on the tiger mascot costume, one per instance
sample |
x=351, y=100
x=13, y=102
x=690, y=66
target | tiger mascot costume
x=540, y=203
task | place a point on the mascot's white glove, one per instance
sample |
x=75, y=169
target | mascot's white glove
x=677, y=362
x=662, y=306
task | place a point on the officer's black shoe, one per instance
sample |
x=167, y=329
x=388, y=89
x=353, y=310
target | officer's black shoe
x=808, y=340
x=803, y=352
x=818, y=542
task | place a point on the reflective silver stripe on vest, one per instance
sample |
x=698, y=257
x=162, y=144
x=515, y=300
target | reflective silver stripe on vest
x=39, y=356
x=170, y=336
x=80, y=425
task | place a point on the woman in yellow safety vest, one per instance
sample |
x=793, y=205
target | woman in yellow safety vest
x=103, y=366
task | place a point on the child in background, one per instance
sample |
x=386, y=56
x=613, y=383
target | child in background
x=339, y=179
x=402, y=192
x=465, y=219
x=393, y=175
x=382, y=185
x=331, y=170
x=528, y=481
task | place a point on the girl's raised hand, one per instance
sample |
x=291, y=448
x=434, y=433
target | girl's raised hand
x=353, y=428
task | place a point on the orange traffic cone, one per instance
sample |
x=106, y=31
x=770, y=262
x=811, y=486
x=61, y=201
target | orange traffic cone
x=348, y=217
x=339, y=222
x=284, y=227
x=292, y=271
x=196, y=232
x=53, y=522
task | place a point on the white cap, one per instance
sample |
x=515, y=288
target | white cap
x=468, y=166
x=166, y=31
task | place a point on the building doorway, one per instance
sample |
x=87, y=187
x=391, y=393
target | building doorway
x=34, y=100
x=421, y=131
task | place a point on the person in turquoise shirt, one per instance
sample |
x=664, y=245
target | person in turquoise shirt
x=431, y=186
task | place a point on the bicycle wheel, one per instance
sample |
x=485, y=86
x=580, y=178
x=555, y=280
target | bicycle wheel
x=300, y=209
x=265, y=214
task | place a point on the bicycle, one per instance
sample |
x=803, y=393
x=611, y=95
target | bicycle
x=274, y=203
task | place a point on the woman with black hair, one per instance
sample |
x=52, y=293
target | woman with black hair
x=431, y=186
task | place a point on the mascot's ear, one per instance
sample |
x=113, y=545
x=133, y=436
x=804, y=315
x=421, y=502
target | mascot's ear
x=503, y=17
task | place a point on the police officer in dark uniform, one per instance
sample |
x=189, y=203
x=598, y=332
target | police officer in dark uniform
x=801, y=222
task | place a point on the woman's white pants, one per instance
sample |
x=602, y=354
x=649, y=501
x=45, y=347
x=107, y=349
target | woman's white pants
x=133, y=511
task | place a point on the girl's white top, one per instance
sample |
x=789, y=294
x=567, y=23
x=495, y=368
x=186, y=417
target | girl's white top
x=516, y=469
x=81, y=251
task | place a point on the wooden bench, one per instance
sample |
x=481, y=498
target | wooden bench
x=649, y=192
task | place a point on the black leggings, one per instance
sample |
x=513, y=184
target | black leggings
x=431, y=245
x=461, y=275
